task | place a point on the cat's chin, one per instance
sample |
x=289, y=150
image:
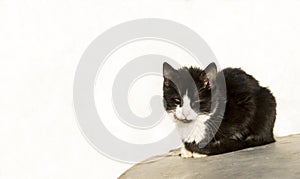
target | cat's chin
x=184, y=120
x=177, y=120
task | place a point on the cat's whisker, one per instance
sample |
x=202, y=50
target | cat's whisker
x=212, y=132
x=213, y=126
x=218, y=130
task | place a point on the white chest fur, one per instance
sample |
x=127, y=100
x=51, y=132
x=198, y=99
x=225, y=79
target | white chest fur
x=193, y=131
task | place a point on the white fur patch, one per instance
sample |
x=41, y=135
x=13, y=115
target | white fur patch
x=185, y=112
x=185, y=153
x=193, y=131
x=196, y=155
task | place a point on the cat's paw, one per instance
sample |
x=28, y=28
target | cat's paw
x=185, y=153
x=197, y=155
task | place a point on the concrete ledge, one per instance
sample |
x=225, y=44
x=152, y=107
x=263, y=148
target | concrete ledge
x=277, y=160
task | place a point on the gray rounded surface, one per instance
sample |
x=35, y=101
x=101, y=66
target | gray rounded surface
x=277, y=160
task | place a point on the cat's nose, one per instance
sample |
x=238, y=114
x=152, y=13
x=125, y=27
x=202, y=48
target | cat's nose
x=186, y=113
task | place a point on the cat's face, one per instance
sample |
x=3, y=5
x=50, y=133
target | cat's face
x=187, y=91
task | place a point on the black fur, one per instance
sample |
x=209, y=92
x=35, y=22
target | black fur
x=250, y=111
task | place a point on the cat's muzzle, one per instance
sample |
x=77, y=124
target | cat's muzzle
x=183, y=120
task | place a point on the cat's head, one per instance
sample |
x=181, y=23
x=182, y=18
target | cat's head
x=187, y=91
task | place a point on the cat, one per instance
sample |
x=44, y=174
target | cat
x=213, y=118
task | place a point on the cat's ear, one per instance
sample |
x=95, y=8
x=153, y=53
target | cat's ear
x=168, y=71
x=210, y=74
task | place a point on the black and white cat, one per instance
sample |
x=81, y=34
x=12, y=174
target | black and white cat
x=246, y=119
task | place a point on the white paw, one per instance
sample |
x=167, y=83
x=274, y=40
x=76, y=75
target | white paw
x=197, y=155
x=185, y=153
x=174, y=152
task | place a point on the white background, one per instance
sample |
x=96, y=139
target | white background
x=41, y=44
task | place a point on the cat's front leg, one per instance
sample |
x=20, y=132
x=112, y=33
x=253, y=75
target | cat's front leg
x=182, y=152
x=185, y=153
x=197, y=155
